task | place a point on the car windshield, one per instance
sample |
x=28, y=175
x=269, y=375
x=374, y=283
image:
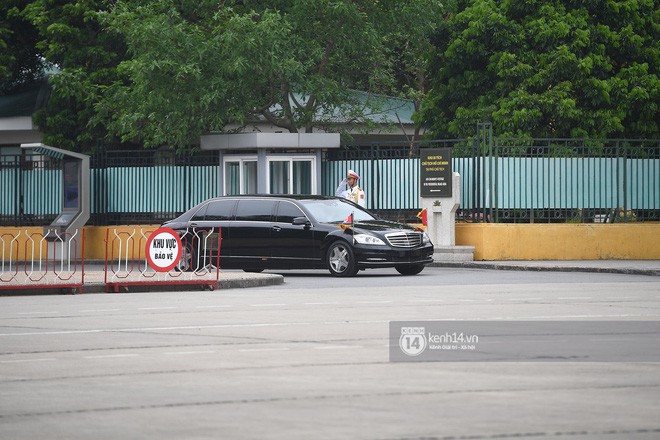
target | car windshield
x=335, y=211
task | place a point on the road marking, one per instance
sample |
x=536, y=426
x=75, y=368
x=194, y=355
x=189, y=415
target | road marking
x=588, y=316
x=189, y=352
x=39, y=313
x=520, y=299
x=610, y=339
x=15, y=361
x=621, y=297
x=541, y=340
x=268, y=305
x=427, y=300
x=321, y=303
x=575, y=297
x=210, y=307
x=335, y=347
x=192, y=327
x=263, y=349
x=372, y=302
x=99, y=310
x=156, y=308
x=108, y=356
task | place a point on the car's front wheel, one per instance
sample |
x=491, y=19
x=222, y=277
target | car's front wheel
x=341, y=260
x=409, y=269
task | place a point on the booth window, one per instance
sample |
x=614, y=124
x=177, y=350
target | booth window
x=241, y=176
x=290, y=175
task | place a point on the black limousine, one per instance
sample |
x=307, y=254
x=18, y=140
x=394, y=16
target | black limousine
x=302, y=232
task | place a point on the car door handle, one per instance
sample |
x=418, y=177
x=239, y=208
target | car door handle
x=276, y=228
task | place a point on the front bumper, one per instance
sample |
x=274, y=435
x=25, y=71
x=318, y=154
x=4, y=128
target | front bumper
x=387, y=256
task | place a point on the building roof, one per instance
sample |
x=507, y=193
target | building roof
x=379, y=109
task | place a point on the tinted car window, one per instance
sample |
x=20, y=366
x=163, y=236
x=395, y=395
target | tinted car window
x=199, y=214
x=287, y=211
x=255, y=210
x=335, y=210
x=219, y=210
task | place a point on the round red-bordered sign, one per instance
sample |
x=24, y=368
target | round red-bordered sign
x=163, y=250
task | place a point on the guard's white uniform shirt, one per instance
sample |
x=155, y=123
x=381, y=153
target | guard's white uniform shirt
x=355, y=194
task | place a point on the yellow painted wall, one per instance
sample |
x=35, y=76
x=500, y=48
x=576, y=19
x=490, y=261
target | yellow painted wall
x=95, y=238
x=95, y=241
x=17, y=243
x=634, y=241
x=631, y=241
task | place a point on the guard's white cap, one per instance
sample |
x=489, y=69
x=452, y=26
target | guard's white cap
x=353, y=174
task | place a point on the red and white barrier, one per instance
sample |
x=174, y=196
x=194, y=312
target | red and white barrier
x=35, y=260
x=135, y=258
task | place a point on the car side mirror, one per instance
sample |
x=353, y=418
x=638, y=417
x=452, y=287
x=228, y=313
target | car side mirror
x=299, y=221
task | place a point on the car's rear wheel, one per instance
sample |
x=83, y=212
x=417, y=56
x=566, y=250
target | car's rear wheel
x=409, y=269
x=188, y=258
x=340, y=260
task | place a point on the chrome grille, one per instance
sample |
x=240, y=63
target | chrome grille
x=404, y=239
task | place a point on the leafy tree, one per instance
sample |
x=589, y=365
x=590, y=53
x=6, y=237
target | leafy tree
x=157, y=73
x=86, y=56
x=20, y=61
x=293, y=63
x=548, y=69
x=408, y=28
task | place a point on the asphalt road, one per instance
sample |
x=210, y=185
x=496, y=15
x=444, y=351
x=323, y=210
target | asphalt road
x=309, y=359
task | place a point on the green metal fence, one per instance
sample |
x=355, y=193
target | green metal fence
x=126, y=187
x=515, y=180
x=502, y=180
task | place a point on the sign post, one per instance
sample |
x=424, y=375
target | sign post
x=441, y=196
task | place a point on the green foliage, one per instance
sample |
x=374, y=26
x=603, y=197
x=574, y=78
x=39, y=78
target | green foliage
x=548, y=69
x=164, y=72
x=291, y=63
x=86, y=56
x=20, y=63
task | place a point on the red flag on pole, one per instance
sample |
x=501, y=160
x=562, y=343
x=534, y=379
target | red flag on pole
x=423, y=217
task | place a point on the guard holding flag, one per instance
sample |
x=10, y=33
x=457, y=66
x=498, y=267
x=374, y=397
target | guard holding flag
x=348, y=189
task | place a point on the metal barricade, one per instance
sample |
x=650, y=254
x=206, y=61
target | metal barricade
x=126, y=261
x=37, y=260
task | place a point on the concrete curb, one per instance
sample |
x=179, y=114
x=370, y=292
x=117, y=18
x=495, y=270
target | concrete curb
x=533, y=268
x=260, y=280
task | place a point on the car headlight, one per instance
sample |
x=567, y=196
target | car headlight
x=425, y=238
x=368, y=239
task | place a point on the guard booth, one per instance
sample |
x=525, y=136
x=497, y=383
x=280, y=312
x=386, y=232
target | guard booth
x=65, y=231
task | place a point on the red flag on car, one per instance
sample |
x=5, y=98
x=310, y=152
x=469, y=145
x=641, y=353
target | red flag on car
x=348, y=223
x=423, y=217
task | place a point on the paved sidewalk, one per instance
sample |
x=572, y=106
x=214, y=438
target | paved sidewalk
x=630, y=267
x=95, y=282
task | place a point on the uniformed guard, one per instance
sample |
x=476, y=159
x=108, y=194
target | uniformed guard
x=348, y=189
